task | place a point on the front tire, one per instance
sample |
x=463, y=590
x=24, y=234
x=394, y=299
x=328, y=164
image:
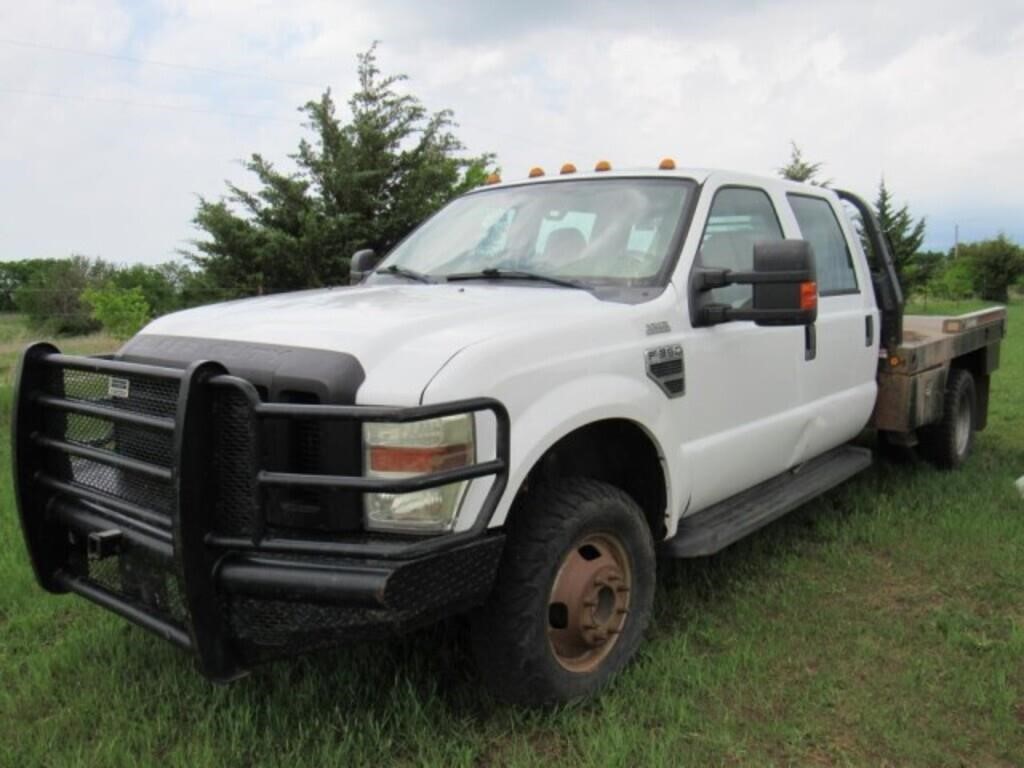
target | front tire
x=573, y=595
x=947, y=443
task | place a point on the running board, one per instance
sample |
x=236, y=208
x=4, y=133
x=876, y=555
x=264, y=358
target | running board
x=713, y=529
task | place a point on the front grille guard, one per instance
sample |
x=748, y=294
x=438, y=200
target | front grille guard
x=54, y=505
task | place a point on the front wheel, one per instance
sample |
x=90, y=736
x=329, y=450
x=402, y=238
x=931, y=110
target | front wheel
x=573, y=595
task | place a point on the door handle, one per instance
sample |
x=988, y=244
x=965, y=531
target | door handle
x=810, y=342
x=869, y=330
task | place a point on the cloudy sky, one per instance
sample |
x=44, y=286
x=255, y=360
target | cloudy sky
x=115, y=116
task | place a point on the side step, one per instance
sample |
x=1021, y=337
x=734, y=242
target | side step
x=713, y=529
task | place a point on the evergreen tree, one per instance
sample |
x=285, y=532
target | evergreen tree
x=798, y=169
x=361, y=184
x=905, y=234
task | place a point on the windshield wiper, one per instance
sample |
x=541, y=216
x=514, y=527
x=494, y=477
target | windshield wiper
x=412, y=274
x=493, y=273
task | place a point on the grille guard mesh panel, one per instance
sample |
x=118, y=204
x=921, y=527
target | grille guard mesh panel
x=134, y=481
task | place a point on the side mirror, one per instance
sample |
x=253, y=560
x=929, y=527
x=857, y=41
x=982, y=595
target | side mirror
x=784, y=281
x=363, y=263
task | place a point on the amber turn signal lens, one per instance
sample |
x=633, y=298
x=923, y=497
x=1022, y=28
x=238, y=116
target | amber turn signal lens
x=568, y=168
x=418, y=460
x=536, y=171
x=668, y=164
x=603, y=165
x=808, y=295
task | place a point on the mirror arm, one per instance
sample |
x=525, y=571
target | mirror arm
x=716, y=314
x=708, y=279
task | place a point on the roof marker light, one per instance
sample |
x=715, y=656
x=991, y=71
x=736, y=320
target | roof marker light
x=603, y=165
x=668, y=164
x=568, y=168
x=494, y=178
x=536, y=171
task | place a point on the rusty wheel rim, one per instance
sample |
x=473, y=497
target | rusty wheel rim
x=589, y=602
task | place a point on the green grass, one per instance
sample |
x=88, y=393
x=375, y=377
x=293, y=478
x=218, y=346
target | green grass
x=15, y=335
x=922, y=306
x=880, y=625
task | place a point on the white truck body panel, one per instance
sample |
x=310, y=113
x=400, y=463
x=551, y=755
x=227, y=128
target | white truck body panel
x=559, y=359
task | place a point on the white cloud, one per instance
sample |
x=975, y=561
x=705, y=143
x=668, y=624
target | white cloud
x=930, y=94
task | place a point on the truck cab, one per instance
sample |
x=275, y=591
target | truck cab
x=510, y=415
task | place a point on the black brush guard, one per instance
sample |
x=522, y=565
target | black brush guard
x=129, y=480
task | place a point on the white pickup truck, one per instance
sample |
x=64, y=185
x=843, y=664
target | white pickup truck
x=543, y=387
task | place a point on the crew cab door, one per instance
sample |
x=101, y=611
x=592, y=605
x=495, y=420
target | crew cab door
x=741, y=412
x=837, y=376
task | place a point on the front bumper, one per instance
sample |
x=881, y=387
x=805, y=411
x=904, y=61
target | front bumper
x=143, y=488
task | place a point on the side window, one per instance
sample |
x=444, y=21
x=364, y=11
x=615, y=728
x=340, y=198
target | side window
x=820, y=227
x=739, y=217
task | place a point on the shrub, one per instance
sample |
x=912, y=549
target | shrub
x=122, y=311
x=955, y=281
x=52, y=296
x=995, y=265
x=162, y=285
x=14, y=275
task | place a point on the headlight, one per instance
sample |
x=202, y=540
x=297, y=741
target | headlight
x=417, y=448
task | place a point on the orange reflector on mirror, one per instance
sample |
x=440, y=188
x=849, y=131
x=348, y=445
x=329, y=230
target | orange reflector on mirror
x=808, y=295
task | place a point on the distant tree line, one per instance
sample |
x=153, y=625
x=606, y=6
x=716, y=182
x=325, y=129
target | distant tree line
x=78, y=294
x=985, y=269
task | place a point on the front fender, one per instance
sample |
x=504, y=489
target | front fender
x=539, y=421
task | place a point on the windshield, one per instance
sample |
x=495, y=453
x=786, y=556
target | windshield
x=593, y=232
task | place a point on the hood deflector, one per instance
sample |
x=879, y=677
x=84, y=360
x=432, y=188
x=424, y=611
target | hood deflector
x=334, y=377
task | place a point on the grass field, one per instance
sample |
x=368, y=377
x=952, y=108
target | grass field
x=881, y=625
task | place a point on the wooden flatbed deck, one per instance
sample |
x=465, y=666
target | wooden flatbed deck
x=912, y=377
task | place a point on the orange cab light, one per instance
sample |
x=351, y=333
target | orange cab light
x=389, y=458
x=494, y=178
x=603, y=165
x=568, y=168
x=668, y=164
x=536, y=171
x=808, y=295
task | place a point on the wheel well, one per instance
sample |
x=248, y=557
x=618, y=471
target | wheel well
x=615, y=451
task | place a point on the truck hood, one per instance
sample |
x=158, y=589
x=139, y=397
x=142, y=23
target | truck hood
x=400, y=334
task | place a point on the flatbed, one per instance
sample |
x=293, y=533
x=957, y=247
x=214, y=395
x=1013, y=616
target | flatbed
x=912, y=376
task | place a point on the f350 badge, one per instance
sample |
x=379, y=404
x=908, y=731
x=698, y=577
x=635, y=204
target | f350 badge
x=666, y=369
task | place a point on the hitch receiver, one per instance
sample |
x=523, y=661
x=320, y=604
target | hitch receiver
x=103, y=544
